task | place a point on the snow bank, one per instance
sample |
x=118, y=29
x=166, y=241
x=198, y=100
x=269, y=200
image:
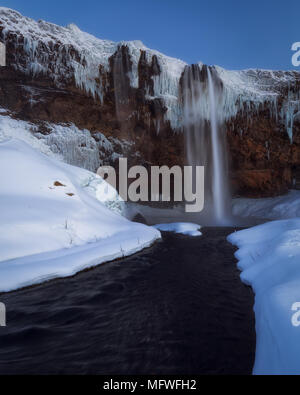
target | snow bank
x=184, y=228
x=281, y=207
x=51, y=222
x=269, y=258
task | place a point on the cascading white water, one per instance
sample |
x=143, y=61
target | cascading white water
x=205, y=139
x=219, y=198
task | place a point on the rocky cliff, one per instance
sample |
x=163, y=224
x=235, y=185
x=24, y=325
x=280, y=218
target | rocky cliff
x=129, y=98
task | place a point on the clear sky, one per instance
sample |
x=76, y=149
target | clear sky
x=231, y=33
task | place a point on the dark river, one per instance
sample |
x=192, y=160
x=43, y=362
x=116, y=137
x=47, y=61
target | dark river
x=177, y=307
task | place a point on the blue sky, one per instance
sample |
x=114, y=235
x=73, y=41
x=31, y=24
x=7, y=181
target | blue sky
x=233, y=34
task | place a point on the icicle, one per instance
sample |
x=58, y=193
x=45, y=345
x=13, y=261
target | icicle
x=77, y=147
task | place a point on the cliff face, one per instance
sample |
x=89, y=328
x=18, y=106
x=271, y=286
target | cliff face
x=63, y=75
x=133, y=96
x=264, y=136
x=263, y=160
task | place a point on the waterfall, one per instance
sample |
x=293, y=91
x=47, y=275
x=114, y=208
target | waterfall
x=205, y=136
x=219, y=178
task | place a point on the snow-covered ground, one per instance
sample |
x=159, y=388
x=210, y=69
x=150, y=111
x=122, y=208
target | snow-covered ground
x=269, y=258
x=52, y=222
x=281, y=207
x=185, y=228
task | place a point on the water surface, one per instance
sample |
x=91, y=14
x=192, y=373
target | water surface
x=177, y=307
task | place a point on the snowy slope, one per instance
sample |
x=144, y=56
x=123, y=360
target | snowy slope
x=50, y=225
x=269, y=258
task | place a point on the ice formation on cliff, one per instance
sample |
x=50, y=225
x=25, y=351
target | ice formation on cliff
x=65, y=142
x=67, y=53
x=80, y=54
x=76, y=147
